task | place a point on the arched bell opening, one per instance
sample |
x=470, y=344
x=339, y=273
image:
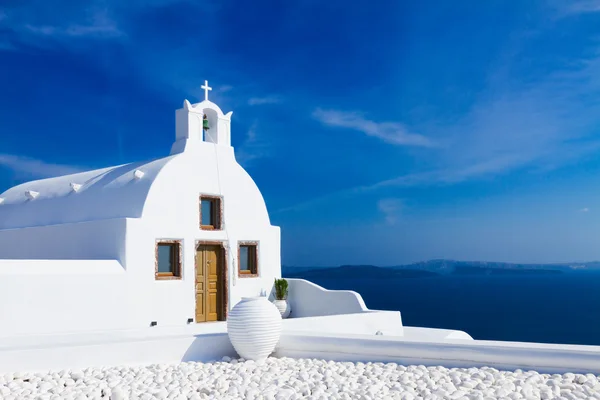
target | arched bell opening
x=210, y=126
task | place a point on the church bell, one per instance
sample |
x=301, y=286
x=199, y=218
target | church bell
x=205, y=122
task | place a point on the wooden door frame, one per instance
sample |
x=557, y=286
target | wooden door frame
x=224, y=272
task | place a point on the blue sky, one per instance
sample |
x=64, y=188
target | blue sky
x=379, y=132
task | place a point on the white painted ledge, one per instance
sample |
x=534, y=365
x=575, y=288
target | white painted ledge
x=433, y=334
x=544, y=358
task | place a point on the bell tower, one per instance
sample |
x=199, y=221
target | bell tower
x=202, y=122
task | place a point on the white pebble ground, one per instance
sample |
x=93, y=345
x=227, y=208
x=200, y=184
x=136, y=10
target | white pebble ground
x=287, y=378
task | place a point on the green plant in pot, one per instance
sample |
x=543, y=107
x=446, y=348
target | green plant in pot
x=281, y=292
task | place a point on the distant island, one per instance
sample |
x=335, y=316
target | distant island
x=433, y=268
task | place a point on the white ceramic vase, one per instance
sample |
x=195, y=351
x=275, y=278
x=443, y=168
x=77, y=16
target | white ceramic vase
x=254, y=327
x=284, y=307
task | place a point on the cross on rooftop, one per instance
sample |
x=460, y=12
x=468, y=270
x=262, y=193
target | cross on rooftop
x=206, y=89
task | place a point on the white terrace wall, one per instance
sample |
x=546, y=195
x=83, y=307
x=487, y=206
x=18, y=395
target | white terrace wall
x=451, y=353
x=387, y=323
x=54, y=296
x=316, y=309
x=309, y=300
x=64, y=278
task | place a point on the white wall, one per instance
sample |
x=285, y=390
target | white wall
x=54, y=295
x=64, y=278
x=309, y=300
x=205, y=342
x=152, y=350
x=363, y=323
x=61, y=296
x=316, y=309
x=171, y=212
x=544, y=358
x=93, y=240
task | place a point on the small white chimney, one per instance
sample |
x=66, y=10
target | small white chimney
x=31, y=194
x=137, y=174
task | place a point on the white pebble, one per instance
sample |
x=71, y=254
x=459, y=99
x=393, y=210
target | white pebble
x=287, y=378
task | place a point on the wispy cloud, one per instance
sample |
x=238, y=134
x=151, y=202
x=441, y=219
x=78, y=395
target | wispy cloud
x=391, y=209
x=91, y=22
x=514, y=125
x=253, y=147
x=584, y=210
x=98, y=25
x=436, y=177
x=108, y=30
x=493, y=166
x=581, y=7
x=256, y=101
x=27, y=167
x=390, y=132
x=450, y=176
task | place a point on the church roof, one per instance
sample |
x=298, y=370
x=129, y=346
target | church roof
x=114, y=192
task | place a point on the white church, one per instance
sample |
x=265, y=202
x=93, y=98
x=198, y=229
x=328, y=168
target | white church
x=170, y=242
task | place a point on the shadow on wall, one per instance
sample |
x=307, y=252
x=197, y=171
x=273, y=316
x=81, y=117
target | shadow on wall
x=209, y=347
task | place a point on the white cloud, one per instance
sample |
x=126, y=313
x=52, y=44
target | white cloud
x=513, y=126
x=582, y=7
x=253, y=147
x=390, y=132
x=255, y=101
x=391, y=209
x=32, y=168
x=45, y=30
x=585, y=210
x=106, y=30
x=96, y=23
x=94, y=30
x=437, y=177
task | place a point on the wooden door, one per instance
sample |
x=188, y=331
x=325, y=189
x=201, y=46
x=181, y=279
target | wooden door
x=209, y=283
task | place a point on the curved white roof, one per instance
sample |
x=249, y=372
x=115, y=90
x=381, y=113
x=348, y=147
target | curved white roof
x=112, y=192
x=136, y=190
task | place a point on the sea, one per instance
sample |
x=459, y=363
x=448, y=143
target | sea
x=548, y=308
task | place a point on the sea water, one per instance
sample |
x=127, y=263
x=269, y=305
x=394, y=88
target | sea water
x=548, y=308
